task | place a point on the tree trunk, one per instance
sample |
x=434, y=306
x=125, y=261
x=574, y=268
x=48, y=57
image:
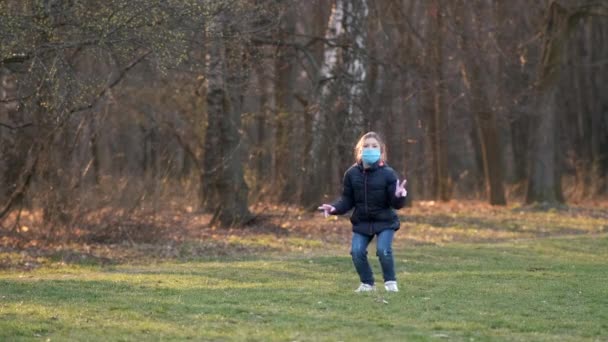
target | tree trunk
x=588, y=80
x=543, y=184
x=542, y=181
x=351, y=75
x=438, y=118
x=599, y=76
x=285, y=76
x=487, y=131
x=223, y=185
x=11, y=160
x=94, y=147
x=520, y=134
x=338, y=118
x=264, y=170
x=484, y=116
x=355, y=25
x=415, y=129
x=321, y=151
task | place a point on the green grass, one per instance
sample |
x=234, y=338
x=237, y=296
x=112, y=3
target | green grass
x=543, y=290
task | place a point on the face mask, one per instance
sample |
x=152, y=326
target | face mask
x=370, y=155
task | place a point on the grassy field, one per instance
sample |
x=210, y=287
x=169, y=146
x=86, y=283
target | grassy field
x=539, y=288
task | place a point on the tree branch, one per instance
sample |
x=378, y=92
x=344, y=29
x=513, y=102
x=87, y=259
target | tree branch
x=111, y=84
x=561, y=20
x=15, y=58
x=593, y=9
x=15, y=99
x=26, y=176
x=16, y=127
x=37, y=148
x=190, y=150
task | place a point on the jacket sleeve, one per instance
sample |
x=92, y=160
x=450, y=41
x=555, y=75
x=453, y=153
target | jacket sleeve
x=347, y=200
x=396, y=202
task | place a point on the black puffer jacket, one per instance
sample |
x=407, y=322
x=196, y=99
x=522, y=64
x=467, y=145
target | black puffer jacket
x=371, y=192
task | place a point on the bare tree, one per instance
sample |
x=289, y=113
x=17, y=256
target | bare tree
x=473, y=28
x=285, y=160
x=544, y=184
x=438, y=118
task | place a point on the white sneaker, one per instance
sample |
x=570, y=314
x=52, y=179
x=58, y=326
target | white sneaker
x=391, y=286
x=365, y=288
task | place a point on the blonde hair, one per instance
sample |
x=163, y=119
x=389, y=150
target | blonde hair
x=359, y=145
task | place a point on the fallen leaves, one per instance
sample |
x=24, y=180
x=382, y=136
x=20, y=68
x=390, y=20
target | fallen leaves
x=103, y=238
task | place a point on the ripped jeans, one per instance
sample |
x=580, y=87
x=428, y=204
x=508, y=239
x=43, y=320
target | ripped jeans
x=384, y=251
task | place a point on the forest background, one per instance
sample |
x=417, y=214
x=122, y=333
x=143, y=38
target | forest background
x=121, y=109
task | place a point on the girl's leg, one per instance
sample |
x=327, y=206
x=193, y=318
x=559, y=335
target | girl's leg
x=359, y=254
x=384, y=250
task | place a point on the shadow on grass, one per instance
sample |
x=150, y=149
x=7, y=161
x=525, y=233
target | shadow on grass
x=107, y=255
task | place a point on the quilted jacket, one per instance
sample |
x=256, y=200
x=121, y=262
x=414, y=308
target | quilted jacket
x=371, y=192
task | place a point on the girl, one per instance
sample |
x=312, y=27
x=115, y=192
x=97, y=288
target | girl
x=373, y=189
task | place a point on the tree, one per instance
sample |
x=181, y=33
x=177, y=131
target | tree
x=544, y=182
x=337, y=117
x=438, y=118
x=225, y=191
x=284, y=85
x=51, y=46
x=471, y=20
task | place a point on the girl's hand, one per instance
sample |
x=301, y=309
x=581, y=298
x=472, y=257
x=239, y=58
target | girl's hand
x=327, y=209
x=400, y=189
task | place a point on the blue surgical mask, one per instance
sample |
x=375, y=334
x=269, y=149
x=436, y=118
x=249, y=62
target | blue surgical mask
x=370, y=155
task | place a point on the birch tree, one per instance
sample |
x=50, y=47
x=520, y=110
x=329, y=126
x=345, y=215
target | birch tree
x=317, y=162
x=355, y=60
x=338, y=111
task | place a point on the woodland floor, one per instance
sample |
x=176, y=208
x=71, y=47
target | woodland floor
x=175, y=234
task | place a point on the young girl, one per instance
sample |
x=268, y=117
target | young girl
x=373, y=189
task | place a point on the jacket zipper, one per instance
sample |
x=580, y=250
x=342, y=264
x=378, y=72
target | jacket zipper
x=365, y=196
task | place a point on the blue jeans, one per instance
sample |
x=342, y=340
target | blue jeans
x=384, y=252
